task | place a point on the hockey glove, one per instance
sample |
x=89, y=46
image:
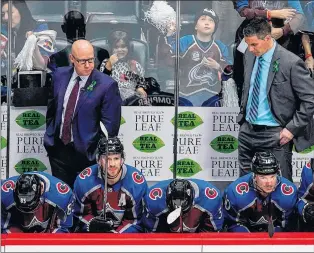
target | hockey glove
x=308, y=214
x=100, y=225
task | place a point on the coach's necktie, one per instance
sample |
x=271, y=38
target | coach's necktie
x=68, y=115
x=253, y=111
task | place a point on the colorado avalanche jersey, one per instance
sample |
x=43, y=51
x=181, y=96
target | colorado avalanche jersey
x=204, y=216
x=199, y=82
x=306, y=188
x=53, y=215
x=124, y=199
x=247, y=211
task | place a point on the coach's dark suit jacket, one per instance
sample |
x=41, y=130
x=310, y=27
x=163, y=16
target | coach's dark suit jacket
x=290, y=94
x=103, y=103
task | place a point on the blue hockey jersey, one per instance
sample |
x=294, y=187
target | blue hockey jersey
x=306, y=188
x=247, y=211
x=124, y=199
x=204, y=216
x=199, y=82
x=56, y=203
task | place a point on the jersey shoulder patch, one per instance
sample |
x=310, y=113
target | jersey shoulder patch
x=85, y=173
x=242, y=188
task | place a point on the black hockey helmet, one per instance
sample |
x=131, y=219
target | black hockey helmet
x=265, y=163
x=180, y=192
x=114, y=146
x=27, y=192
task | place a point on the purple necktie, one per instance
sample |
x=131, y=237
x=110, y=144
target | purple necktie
x=68, y=115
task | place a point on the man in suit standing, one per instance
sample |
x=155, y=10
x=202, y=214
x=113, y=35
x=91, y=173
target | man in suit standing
x=278, y=99
x=82, y=98
x=75, y=29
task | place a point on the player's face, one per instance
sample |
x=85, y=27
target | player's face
x=266, y=183
x=121, y=49
x=115, y=162
x=16, y=16
x=258, y=46
x=205, y=25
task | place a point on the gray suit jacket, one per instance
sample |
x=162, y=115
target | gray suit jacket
x=290, y=94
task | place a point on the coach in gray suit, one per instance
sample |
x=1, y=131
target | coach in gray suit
x=277, y=99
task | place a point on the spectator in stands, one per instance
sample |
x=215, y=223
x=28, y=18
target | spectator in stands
x=308, y=45
x=124, y=68
x=286, y=18
x=278, y=99
x=203, y=59
x=23, y=25
x=75, y=29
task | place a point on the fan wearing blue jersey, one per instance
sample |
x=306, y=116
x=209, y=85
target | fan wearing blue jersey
x=36, y=202
x=120, y=210
x=202, y=59
x=183, y=206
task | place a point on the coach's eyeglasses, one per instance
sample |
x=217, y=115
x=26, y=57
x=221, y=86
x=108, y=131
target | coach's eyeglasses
x=83, y=61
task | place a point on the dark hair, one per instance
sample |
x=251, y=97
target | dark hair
x=259, y=27
x=118, y=36
x=27, y=22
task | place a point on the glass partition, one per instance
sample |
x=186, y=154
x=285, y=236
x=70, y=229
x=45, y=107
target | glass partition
x=185, y=71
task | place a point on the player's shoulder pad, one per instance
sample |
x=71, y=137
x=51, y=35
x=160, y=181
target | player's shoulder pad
x=239, y=192
x=134, y=182
x=56, y=191
x=241, y=186
x=155, y=198
x=307, y=173
x=207, y=195
x=7, y=188
x=86, y=179
x=285, y=194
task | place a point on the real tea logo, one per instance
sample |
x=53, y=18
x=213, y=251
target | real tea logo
x=305, y=151
x=224, y=144
x=188, y=120
x=187, y=168
x=148, y=143
x=122, y=121
x=28, y=165
x=3, y=142
x=30, y=120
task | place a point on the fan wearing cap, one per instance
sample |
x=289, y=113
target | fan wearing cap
x=306, y=197
x=203, y=59
x=109, y=194
x=36, y=202
x=261, y=201
x=183, y=206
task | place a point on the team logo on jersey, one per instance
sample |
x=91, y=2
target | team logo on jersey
x=8, y=185
x=137, y=178
x=308, y=165
x=196, y=56
x=63, y=188
x=211, y=193
x=287, y=189
x=242, y=188
x=155, y=193
x=85, y=173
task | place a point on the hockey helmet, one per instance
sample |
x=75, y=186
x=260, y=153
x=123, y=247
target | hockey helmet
x=114, y=146
x=265, y=163
x=27, y=192
x=180, y=192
